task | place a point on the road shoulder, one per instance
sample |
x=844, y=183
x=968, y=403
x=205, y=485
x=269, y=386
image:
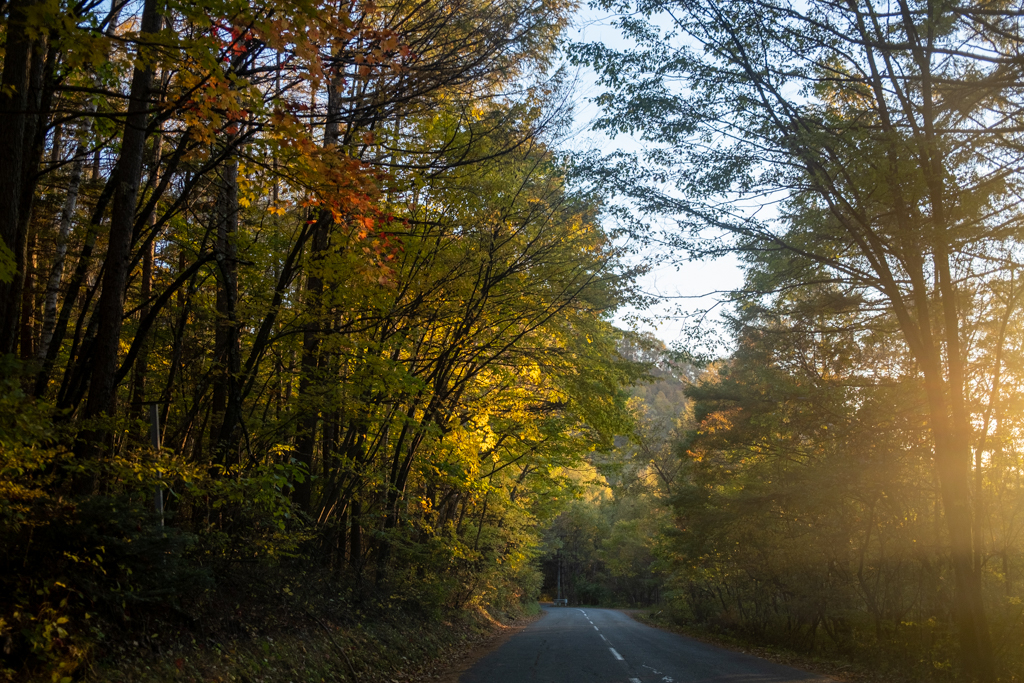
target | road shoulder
x=838, y=670
x=466, y=659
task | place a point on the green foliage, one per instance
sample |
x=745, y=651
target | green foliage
x=372, y=314
x=873, y=204
x=809, y=516
x=610, y=545
x=8, y=264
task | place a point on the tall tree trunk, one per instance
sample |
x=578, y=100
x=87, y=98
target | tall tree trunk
x=141, y=368
x=38, y=102
x=67, y=215
x=77, y=281
x=110, y=309
x=950, y=418
x=355, y=536
x=951, y=431
x=307, y=425
x=227, y=390
x=19, y=52
x=28, y=297
x=57, y=144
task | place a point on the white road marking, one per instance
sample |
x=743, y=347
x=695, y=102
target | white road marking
x=651, y=668
x=666, y=679
x=603, y=638
x=634, y=680
x=596, y=628
x=616, y=655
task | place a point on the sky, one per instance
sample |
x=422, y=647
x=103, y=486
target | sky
x=682, y=289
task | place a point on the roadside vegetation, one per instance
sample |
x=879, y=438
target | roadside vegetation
x=850, y=476
x=296, y=304
x=306, y=327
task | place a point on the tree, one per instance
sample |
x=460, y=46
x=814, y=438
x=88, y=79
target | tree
x=331, y=242
x=885, y=138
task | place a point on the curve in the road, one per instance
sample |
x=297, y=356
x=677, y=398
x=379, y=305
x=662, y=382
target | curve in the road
x=571, y=645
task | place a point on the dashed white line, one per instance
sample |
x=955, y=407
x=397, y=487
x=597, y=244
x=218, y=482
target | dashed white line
x=617, y=655
x=603, y=638
x=596, y=629
x=634, y=680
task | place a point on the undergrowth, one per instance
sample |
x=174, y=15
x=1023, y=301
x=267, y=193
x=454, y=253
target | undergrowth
x=255, y=633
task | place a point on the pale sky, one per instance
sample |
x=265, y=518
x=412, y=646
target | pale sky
x=683, y=288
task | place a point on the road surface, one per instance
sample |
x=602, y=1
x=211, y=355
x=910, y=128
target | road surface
x=571, y=645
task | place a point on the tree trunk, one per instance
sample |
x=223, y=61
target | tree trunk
x=75, y=283
x=19, y=53
x=951, y=421
x=355, y=535
x=38, y=102
x=67, y=215
x=227, y=392
x=141, y=369
x=307, y=425
x=28, y=297
x=110, y=309
x=952, y=453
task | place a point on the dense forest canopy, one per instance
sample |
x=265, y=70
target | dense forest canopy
x=308, y=290
x=294, y=285
x=864, y=162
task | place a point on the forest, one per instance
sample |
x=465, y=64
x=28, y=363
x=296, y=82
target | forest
x=311, y=303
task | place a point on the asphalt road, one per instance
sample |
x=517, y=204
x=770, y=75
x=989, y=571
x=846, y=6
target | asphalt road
x=570, y=645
